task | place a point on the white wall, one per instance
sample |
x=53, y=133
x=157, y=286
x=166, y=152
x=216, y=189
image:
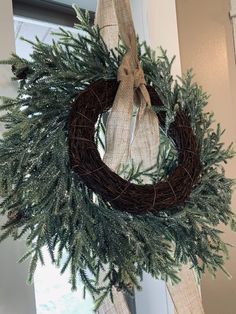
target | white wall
x=163, y=29
x=16, y=297
x=154, y=297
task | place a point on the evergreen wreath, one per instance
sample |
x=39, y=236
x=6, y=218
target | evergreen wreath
x=48, y=204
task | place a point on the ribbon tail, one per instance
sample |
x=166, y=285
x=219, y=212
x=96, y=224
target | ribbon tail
x=118, y=126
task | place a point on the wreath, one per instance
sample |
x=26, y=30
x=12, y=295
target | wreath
x=58, y=193
x=121, y=194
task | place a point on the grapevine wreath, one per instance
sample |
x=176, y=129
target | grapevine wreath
x=57, y=192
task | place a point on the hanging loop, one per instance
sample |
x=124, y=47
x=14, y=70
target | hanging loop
x=130, y=68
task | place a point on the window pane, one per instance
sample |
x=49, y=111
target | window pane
x=53, y=292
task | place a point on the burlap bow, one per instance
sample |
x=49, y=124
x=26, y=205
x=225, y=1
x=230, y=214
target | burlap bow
x=124, y=143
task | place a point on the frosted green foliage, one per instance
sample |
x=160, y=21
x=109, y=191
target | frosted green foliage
x=50, y=206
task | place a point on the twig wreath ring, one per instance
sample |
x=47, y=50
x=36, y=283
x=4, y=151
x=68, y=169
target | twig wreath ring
x=121, y=194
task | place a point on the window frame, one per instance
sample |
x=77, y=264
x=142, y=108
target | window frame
x=47, y=11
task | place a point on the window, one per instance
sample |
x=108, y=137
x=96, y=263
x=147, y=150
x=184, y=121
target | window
x=52, y=291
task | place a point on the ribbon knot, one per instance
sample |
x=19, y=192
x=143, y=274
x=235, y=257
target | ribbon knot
x=131, y=72
x=128, y=70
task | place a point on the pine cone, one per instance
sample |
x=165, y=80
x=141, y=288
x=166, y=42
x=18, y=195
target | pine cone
x=20, y=72
x=14, y=215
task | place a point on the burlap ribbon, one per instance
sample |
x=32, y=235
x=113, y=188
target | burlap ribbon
x=121, y=145
x=141, y=145
x=186, y=296
x=107, y=21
